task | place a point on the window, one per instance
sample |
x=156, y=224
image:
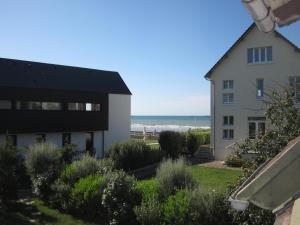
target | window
x=228, y=98
x=66, y=139
x=228, y=134
x=76, y=106
x=89, y=142
x=260, y=88
x=96, y=107
x=12, y=139
x=259, y=55
x=51, y=106
x=295, y=87
x=228, y=120
x=39, y=138
x=227, y=84
x=30, y=105
x=5, y=104
x=257, y=126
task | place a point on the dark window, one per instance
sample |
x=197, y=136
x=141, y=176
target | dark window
x=96, y=107
x=227, y=84
x=256, y=54
x=259, y=55
x=295, y=87
x=5, y=104
x=228, y=120
x=89, y=142
x=269, y=54
x=250, y=55
x=262, y=54
x=228, y=134
x=39, y=138
x=259, y=88
x=252, y=130
x=66, y=139
x=228, y=98
x=76, y=106
x=51, y=106
x=257, y=126
x=12, y=139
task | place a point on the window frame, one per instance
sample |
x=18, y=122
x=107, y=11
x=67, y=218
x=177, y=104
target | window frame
x=254, y=55
x=228, y=102
x=226, y=85
x=229, y=131
x=228, y=118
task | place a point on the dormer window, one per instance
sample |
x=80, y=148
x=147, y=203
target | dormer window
x=260, y=55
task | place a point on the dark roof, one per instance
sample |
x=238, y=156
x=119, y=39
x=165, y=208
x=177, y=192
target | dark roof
x=250, y=28
x=26, y=74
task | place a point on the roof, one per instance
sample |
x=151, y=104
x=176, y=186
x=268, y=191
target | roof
x=26, y=74
x=241, y=38
x=264, y=187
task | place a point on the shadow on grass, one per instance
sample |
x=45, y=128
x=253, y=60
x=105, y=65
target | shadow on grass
x=23, y=214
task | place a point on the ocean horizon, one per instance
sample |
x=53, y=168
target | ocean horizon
x=174, y=123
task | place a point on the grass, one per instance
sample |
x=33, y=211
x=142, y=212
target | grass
x=37, y=213
x=215, y=178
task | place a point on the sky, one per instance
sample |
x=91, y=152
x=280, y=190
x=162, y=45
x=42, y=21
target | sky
x=161, y=48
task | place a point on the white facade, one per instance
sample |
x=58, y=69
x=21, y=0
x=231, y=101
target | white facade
x=119, y=112
x=246, y=104
x=118, y=129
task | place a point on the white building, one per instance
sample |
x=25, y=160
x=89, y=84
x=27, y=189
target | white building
x=256, y=64
x=63, y=104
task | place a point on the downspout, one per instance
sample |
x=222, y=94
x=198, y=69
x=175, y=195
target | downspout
x=214, y=114
x=103, y=152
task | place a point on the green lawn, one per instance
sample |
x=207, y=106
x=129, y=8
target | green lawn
x=215, y=178
x=37, y=213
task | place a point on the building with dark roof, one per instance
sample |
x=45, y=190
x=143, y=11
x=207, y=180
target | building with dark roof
x=62, y=104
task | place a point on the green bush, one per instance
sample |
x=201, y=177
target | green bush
x=208, y=208
x=235, y=159
x=148, y=188
x=10, y=162
x=86, y=197
x=68, y=153
x=171, y=142
x=149, y=212
x=43, y=165
x=192, y=143
x=60, y=198
x=120, y=196
x=132, y=154
x=175, y=209
x=173, y=176
x=84, y=167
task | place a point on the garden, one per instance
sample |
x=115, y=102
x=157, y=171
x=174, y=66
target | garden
x=71, y=189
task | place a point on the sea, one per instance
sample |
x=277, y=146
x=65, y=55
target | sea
x=174, y=123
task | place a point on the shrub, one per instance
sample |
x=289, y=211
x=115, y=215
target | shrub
x=119, y=198
x=43, y=165
x=172, y=176
x=172, y=142
x=84, y=167
x=148, y=188
x=208, y=208
x=68, y=153
x=86, y=196
x=175, y=209
x=10, y=163
x=60, y=198
x=149, y=212
x=235, y=159
x=192, y=143
x=130, y=155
